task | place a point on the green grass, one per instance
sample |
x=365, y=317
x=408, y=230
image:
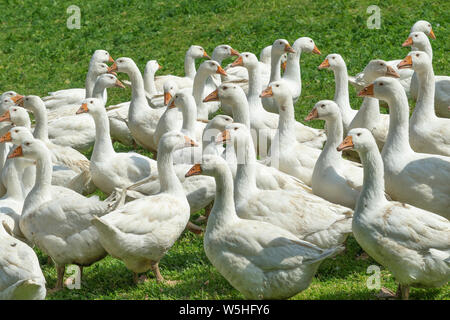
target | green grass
x=39, y=54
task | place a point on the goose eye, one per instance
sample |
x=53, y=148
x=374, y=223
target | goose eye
x=322, y=106
x=14, y=109
x=235, y=129
x=16, y=131
x=277, y=85
x=92, y=101
x=417, y=54
x=246, y=55
x=381, y=83
x=225, y=88
x=429, y=25
x=358, y=134
x=27, y=143
x=333, y=58
x=281, y=42
x=416, y=35
x=26, y=99
x=310, y=41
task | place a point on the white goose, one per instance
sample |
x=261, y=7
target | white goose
x=286, y=154
x=405, y=75
x=220, y=53
x=306, y=215
x=427, y=132
x=21, y=277
x=335, y=63
x=194, y=52
x=420, y=42
x=142, y=231
x=57, y=219
x=69, y=96
x=279, y=47
x=412, y=243
x=205, y=70
x=368, y=115
x=335, y=179
x=261, y=260
x=109, y=169
x=415, y=178
x=142, y=119
x=79, y=132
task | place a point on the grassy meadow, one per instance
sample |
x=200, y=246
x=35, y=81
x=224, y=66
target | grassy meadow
x=38, y=54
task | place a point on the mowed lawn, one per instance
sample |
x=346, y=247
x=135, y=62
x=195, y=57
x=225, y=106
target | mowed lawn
x=38, y=54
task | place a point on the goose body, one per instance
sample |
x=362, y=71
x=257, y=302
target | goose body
x=21, y=277
x=412, y=243
x=261, y=260
x=418, y=179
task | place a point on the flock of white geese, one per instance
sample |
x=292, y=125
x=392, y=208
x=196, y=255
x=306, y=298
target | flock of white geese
x=279, y=196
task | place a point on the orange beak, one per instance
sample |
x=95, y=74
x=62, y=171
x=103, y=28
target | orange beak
x=288, y=48
x=205, y=55
x=6, y=137
x=16, y=153
x=113, y=68
x=391, y=72
x=312, y=115
x=5, y=117
x=111, y=59
x=224, y=137
x=432, y=34
x=234, y=52
x=367, y=91
x=266, y=92
x=316, y=50
x=346, y=144
x=18, y=99
x=325, y=64
x=194, y=171
x=119, y=84
x=405, y=63
x=83, y=109
x=213, y=96
x=283, y=66
x=167, y=97
x=159, y=66
x=190, y=142
x=408, y=42
x=221, y=71
x=238, y=62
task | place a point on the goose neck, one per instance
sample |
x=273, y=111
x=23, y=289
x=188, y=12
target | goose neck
x=189, y=66
x=368, y=113
x=91, y=77
x=245, y=182
x=98, y=90
x=168, y=179
x=334, y=131
x=10, y=173
x=223, y=211
x=103, y=148
x=397, y=141
x=198, y=93
x=341, y=96
x=275, y=65
x=189, y=112
x=149, y=82
x=254, y=88
x=372, y=193
x=424, y=109
x=41, y=129
x=286, y=120
x=292, y=71
x=240, y=110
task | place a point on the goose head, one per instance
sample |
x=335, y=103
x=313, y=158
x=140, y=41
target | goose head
x=174, y=140
x=280, y=92
x=197, y=52
x=170, y=88
x=417, y=60
x=281, y=46
x=30, y=102
x=17, y=135
x=16, y=116
x=33, y=149
x=92, y=106
x=108, y=80
x=324, y=110
x=8, y=94
x=102, y=56
x=123, y=64
x=211, y=165
x=247, y=60
x=98, y=68
x=219, y=122
x=152, y=66
x=238, y=135
x=182, y=99
x=333, y=61
x=383, y=88
x=5, y=103
x=305, y=44
x=210, y=67
x=358, y=139
x=378, y=68
x=425, y=27
x=417, y=39
x=227, y=93
x=223, y=51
